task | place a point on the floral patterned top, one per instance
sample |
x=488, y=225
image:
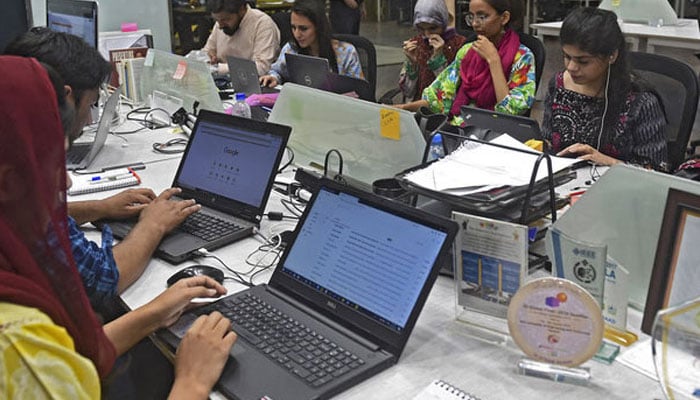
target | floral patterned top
x=345, y=55
x=638, y=137
x=441, y=93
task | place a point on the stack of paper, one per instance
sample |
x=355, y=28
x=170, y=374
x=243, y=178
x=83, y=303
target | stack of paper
x=476, y=167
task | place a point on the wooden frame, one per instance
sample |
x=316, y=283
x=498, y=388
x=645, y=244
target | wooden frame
x=675, y=277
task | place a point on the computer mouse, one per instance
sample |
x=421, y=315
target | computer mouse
x=196, y=270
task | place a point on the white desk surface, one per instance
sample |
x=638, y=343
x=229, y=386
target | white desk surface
x=683, y=35
x=438, y=348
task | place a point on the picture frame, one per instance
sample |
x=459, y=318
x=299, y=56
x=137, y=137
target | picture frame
x=490, y=264
x=675, y=277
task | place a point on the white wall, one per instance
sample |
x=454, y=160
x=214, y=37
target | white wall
x=148, y=14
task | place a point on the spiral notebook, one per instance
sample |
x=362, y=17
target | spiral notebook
x=441, y=390
x=114, y=179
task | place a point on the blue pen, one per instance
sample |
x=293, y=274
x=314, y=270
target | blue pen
x=112, y=175
x=268, y=109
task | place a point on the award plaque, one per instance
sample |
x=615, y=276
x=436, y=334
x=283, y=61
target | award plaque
x=556, y=321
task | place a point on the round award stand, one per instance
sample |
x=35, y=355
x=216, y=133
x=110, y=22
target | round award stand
x=559, y=326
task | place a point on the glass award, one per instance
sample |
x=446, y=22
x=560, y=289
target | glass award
x=675, y=346
x=559, y=326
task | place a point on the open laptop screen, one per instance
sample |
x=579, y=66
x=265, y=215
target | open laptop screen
x=77, y=17
x=364, y=257
x=230, y=161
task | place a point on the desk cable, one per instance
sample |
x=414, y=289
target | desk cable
x=326, y=162
x=149, y=124
x=236, y=275
x=289, y=162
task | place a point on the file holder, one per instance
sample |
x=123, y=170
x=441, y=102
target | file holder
x=522, y=204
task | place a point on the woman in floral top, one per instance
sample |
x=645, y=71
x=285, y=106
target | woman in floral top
x=596, y=109
x=494, y=72
x=429, y=52
x=311, y=36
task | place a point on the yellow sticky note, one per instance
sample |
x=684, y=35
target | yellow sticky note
x=389, y=124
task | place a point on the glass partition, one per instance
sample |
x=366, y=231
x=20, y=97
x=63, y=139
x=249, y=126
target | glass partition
x=624, y=209
x=180, y=77
x=652, y=12
x=376, y=141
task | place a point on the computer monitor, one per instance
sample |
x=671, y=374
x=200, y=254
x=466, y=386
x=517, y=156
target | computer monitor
x=77, y=17
x=652, y=12
x=15, y=19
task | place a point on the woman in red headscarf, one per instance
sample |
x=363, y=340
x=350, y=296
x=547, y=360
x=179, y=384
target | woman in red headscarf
x=51, y=343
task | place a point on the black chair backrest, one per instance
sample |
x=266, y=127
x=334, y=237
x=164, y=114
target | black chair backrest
x=284, y=24
x=676, y=83
x=368, y=57
x=537, y=48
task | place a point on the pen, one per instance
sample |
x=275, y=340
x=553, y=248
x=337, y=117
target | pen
x=98, y=179
x=112, y=175
x=268, y=109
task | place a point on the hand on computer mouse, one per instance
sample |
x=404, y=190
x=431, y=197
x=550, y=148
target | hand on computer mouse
x=196, y=270
x=169, y=305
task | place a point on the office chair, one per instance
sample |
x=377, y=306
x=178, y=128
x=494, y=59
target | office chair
x=368, y=57
x=283, y=21
x=537, y=48
x=676, y=83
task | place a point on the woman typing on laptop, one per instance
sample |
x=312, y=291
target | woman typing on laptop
x=597, y=109
x=51, y=343
x=312, y=37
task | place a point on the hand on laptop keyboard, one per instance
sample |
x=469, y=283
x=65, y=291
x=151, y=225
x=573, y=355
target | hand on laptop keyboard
x=165, y=214
x=202, y=354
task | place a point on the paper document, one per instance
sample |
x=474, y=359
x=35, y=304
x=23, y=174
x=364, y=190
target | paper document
x=475, y=165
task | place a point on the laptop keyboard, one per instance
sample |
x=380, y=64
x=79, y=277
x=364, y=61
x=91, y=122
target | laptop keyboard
x=208, y=227
x=312, y=357
x=77, y=154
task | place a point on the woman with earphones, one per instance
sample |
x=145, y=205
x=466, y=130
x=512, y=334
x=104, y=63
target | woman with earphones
x=596, y=109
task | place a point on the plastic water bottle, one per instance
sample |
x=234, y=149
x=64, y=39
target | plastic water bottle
x=240, y=107
x=436, y=149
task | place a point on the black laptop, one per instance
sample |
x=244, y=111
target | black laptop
x=341, y=303
x=228, y=167
x=315, y=72
x=81, y=155
x=496, y=123
x=244, y=76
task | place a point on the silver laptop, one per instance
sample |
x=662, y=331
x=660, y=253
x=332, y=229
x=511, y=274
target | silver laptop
x=228, y=167
x=244, y=76
x=81, y=155
x=341, y=303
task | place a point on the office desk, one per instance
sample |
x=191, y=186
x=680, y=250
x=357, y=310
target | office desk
x=438, y=347
x=643, y=37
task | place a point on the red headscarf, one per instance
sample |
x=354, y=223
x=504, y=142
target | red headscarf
x=476, y=83
x=36, y=265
